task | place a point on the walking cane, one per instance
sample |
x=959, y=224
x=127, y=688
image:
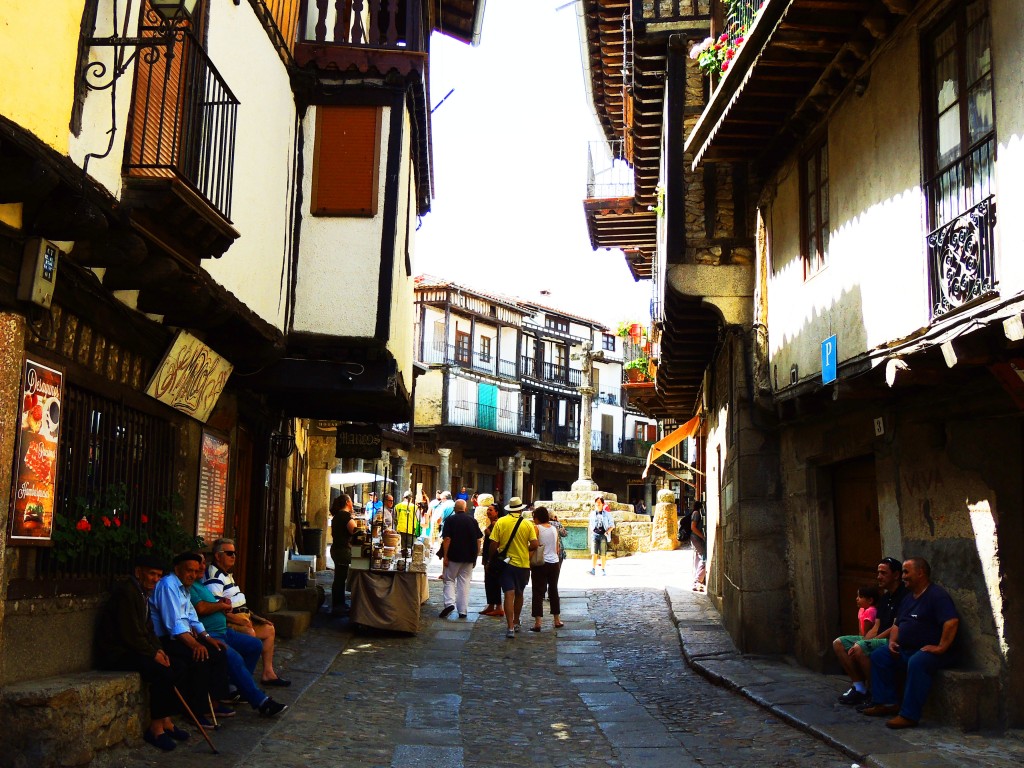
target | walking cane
x=194, y=719
x=213, y=715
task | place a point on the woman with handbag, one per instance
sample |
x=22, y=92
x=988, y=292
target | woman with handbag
x=545, y=566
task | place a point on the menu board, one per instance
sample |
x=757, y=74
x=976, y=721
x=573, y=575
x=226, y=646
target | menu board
x=213, y=487
x=35, y=473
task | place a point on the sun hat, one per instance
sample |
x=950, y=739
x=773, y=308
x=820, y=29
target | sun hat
x=515, y=504
x=485, y=500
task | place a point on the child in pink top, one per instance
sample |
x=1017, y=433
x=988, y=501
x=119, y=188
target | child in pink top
x=867, y=614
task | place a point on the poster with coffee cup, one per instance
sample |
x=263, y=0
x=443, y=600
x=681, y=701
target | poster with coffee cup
x=35, y=474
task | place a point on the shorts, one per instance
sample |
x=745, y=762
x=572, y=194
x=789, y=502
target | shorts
x=514, y=579
x=867, y=646
x=600, y=545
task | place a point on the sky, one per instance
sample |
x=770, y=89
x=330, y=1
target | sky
x=510, y=168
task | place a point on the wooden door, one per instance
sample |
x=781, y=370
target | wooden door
x=858, y=540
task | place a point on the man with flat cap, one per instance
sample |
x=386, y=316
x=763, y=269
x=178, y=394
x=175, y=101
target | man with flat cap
x=125, y=641
x=198, y=659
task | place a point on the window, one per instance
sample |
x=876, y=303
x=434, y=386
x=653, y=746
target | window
x=526, y=411
x=814, y=209
x=439, y=340
x=485, y=349
x=463, y=348
x=960, y=120
x=561, y=362
x=346, y=158
x=556, y=324
x=607, y=342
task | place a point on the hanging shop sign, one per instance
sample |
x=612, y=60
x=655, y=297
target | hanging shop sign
x=213, y=487
x=35, y=473
x=190, y=378
x=358, y=442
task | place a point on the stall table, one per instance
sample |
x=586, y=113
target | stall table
x=388, y=599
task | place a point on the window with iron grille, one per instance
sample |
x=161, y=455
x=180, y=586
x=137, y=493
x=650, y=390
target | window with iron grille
x=814, y=209
x=960, y=147
x=117, y=462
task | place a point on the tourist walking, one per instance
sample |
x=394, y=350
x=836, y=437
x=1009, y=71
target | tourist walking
x=343, y=525
x=600, y=526
x=460, y=540
x=699, y=542
x=545, y=575
x=512, y=540
x=492, y=576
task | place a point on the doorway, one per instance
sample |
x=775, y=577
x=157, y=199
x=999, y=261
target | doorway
x=858, y=538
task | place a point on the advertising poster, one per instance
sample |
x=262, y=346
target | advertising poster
x=35, y=471
x=213, y=488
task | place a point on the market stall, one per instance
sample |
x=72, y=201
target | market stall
x=388, y=599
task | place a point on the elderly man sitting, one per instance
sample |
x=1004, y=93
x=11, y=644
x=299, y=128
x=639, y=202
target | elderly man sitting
x=198, y=660
x=920, y=642
x=220, y=581
x=126, y=641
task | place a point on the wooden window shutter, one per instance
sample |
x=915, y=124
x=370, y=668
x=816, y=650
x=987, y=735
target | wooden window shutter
x=346, y=161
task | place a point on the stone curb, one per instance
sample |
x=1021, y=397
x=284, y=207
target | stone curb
x=789, y=692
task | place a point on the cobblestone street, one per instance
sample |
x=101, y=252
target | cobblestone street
x=611, y=688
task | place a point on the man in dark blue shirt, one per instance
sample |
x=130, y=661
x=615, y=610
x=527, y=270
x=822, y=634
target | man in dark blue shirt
x=920, y=642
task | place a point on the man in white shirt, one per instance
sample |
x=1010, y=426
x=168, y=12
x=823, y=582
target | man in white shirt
x=220, y=581
x=600, y=526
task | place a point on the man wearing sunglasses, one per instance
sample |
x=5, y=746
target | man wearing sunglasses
x=220, y=581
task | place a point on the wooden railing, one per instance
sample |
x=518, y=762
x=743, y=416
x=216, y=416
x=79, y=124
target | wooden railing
x=375, y=24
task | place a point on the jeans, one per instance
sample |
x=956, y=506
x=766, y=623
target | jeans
x=242, y=654
x=456, y=585
x=920, y=666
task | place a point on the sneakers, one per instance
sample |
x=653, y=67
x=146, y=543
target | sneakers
x=447, y=611
x=518, y=627
x=853, y=697
x=592, y=572
x=604, y=572
x=271, y=708
x=510, y=634
x=463, y=616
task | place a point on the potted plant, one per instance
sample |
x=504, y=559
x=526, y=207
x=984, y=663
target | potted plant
x=637, y=370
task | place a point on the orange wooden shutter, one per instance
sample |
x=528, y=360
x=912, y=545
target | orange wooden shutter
x=346, y=161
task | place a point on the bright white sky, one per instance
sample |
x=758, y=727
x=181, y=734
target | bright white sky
x=510, y=155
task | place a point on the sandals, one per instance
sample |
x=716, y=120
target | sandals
x=559, y=625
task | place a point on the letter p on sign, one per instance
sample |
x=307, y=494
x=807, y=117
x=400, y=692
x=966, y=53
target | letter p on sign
x=829, y=352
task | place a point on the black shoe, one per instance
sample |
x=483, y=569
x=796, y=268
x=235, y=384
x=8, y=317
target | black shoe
x=271, y=708
x=853, y=697
x=177, y=734
x=463, y=616
x=447, y=611
x=163, y=741
x=865, y=704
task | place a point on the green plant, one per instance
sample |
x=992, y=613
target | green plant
x=638, y=364
x=107, y=525
x=715, y=54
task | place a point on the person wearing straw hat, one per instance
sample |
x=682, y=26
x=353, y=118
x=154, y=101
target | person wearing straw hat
x=512, y=540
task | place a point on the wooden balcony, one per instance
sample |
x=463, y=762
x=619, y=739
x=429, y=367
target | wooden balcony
x=364, y=36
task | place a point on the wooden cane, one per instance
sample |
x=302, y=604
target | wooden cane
x=194, y=719
x=213, y=715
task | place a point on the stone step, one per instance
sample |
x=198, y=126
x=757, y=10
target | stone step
x=272, y=603
x=290, y=623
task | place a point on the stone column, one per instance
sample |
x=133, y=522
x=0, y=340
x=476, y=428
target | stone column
x=665, y=527
x=507, y=489
x=648, y=494
x=444, y=481
x=517, y=489
x=585, y=482
x=401, y=481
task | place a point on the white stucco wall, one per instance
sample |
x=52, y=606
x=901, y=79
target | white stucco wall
x=339, y=263
x=1008, y=66
x=874, y=287
x=400, y=336
x=264, y=153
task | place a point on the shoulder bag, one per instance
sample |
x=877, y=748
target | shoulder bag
x=498, y=563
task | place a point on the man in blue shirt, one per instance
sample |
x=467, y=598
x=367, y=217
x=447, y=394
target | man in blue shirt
x=243, y=651
x=198, y=660
x=920, y=641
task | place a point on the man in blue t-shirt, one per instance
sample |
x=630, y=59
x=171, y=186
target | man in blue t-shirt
x=920, y=642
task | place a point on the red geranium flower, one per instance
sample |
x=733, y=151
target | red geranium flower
x=117, y=522
x=725, y=65
x=83, y=525
x=148, y=544
x=724, y=38
x=106, y=521
x=144, y=518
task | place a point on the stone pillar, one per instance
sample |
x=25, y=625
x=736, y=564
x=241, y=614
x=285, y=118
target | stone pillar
x=320, y=463
x=517, y=489
x=401, y=481
x=507, y=489
x=444, y=481
x=665, y=530
x=648, y=494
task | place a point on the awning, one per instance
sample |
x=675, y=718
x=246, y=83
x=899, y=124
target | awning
x=670, y=441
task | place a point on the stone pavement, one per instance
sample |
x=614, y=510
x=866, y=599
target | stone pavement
x=610, y=689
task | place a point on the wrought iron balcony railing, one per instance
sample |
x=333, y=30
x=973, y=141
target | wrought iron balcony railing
x=960, y=246
x=449, y=354
x=465, y=413
x=184, y=119
x=608, y=173
x=543, y=371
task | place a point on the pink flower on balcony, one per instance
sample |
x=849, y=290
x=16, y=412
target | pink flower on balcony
x=729, y=54
x=738, y=40
x=725, y=65
x=724, y=38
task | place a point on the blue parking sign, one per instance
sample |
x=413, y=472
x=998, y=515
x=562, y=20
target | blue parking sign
x=829, y=351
